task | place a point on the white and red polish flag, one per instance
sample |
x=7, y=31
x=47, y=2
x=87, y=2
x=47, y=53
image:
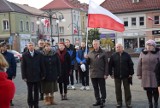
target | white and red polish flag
x=46, y=23
x=75, y=30
x=98, y=17
x=150, y=18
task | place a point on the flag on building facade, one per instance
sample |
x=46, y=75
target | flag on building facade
x=98, y=17
x=75, y=31
x=150, y=18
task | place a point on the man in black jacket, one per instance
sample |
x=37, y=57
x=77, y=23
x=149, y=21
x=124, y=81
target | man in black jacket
x=121, y=69
x=33, y=71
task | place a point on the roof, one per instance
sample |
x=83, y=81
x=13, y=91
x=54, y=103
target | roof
x=125, y=6
x=58, y=4
x=6, y=6
x=30, y=9
x=65, y=4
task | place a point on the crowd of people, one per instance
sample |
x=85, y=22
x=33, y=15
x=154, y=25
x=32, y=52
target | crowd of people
x=45, y=69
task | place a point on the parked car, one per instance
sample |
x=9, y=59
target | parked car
x=17, y=55
x=138, y=50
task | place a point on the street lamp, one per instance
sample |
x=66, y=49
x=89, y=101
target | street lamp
x=50, y=14
x=38, y=23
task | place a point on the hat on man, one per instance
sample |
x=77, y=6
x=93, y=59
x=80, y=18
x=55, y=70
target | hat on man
x=151, y=42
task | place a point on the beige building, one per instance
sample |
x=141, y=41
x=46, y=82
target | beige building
x=136, y=15
x=74, y=14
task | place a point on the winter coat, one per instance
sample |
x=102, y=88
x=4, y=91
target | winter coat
x=72, y=52
x=121, y=66
x=65, y=69
x=98, y=62
x=11, y=71
x=52, y=66
x=32, y=68
x=146, y=66
x=80, y=56
x=7, y=90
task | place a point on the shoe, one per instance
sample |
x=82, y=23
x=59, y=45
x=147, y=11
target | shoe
x=87, y=88
x=97, y=104
x=119, y=105
x=82, y=88
x=68, y=87
x=65, y=97
x=72, y=87
x=62, y=97
x=129, y=106
x=102, y=104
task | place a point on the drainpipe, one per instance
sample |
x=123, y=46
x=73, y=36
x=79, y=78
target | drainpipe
x=10, y=27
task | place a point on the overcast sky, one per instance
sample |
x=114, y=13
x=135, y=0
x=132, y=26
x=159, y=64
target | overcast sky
x=41, y=3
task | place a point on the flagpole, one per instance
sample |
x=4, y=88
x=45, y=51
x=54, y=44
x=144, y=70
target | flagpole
x=87, y=33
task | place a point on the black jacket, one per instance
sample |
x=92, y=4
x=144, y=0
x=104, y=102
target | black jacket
x=11, y=71
x=52, y=65
x=121, y=66
x=32, y=68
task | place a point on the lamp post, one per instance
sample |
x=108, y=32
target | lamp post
x=50, y=14
x=38, y=32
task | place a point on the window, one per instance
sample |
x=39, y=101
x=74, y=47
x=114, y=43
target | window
x=61, y=30
x=61, y=39
x=32, y=26
x=156, y=20
x=125, y=22
x=21, y=26
x=141, y=21
x=5, y=25
x=133, y=21
x=27, y=26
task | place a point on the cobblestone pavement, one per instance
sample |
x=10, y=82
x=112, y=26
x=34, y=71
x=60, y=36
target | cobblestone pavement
x=82, y=99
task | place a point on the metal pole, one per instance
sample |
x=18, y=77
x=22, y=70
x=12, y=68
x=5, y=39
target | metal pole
x=50, y=18
x=58, y=31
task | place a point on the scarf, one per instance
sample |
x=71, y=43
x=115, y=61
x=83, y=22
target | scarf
x=61, y=55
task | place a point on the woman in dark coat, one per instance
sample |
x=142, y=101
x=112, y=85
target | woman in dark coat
x=65, y=70
x=145, y=71
x=52, y=65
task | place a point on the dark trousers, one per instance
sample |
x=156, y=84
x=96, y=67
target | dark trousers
x=152, y=93
x=71, y=77
x=85, y=76
x=99, y=86
x=33, y=90
x=63, y=88
x=118, y=90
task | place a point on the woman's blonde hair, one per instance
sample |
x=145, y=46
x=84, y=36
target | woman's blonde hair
x=3, y=63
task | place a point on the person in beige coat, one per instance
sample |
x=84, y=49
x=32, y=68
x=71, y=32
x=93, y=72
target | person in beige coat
x=145, y=71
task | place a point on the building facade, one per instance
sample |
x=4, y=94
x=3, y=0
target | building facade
x=141, y=20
